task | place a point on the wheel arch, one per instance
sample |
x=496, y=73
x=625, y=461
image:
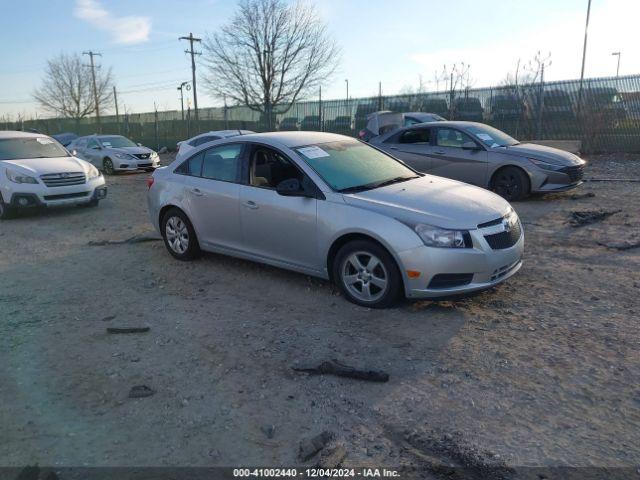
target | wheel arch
x=511, y=165
x=347, y=237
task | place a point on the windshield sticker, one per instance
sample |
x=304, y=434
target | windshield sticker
x=495, y=145
x=485, y=136
x=44, y=141
x=107, y=144
x=313, y=152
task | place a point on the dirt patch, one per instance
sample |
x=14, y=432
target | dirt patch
x=541, y=371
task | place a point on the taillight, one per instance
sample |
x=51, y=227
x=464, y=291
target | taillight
x=150, y=181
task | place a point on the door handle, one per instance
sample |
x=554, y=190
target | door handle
x=251, y=204
x=439, y=152
x=197, y=192
x=393, y=148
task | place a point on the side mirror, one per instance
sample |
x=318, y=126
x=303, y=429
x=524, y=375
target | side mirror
x=139, y=144
x=74, y=153
x=470, y=146
x=290, y=188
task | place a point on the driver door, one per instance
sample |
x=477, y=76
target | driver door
x=452, y=161
x=92, y=153
x=275, y=227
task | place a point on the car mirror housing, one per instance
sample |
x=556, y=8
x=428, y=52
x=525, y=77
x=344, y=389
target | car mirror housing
x=470, y=146
x=291, y=188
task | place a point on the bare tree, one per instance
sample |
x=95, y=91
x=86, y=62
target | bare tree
x=270, y=55
x=67, y=89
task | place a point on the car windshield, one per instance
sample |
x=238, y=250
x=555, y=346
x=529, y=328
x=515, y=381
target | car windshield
x=351, y=166
x=30, y=147
x=116, y=142
x=491, y=137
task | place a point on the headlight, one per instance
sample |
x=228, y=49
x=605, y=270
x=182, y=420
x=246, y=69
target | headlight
x=546, y=166
x=439, y=237
x=154, y=154
x=16, y=177
x=92, y=173
x=123, y=155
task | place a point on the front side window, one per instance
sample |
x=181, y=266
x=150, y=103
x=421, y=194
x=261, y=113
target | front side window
x=351, y=166
x=448, y=137
x=31, y=147
x=268, y=168
x=418, y=135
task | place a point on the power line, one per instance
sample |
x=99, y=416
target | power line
x=193, y=53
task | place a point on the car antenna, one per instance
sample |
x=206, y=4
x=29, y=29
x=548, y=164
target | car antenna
x=239, y=132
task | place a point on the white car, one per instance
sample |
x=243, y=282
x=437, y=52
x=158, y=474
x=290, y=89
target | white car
x=36, y=171
x=187, y=146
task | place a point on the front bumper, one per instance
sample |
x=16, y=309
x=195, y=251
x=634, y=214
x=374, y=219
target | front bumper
x=483, y=266
x=134, y=165
x=31, y=196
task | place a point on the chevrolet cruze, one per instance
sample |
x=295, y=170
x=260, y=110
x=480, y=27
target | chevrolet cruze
x=334, y=207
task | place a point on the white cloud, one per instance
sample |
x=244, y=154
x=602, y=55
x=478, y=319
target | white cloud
x=129, y=29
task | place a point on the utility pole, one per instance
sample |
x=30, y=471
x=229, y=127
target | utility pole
x=193, y=54
x=584, y=55
x=95, y=89
x=379, y=95
x=346, y=80
x=115, y=100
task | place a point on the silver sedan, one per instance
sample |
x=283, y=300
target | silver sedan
x=481, y=155
x=334, y=207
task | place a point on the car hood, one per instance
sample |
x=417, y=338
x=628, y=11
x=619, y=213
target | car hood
x=42, y=166
x=542, y=152
x=435, y=201
x=131, y=150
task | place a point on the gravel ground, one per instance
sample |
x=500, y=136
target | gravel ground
x=541, y=371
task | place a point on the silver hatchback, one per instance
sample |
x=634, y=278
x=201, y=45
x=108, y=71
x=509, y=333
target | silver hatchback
x=334, y=207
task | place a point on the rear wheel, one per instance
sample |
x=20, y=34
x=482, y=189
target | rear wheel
x=511, y=183
x=107, y=166
x=179, y=235
x=367, y=274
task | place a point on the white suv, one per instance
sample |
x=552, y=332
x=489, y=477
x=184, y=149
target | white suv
x=36, y=171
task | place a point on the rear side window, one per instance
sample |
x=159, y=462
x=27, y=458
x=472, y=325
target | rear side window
x=419, y=135
x=192, y=167
x=217, y=163
x=222, y=163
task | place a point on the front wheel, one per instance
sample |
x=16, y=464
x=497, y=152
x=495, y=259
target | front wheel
x=179, y=235
x=107, y=166
x=511, y=183
x=367, y=274
x=6, y=212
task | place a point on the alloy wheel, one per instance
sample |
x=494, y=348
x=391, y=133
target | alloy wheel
x=365, y=276
x=108, y=166
x=507, y=185
x=177, y=235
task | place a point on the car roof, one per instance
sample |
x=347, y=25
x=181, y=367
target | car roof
x=223, y=133
x=294, y=139
x=444, y=123
x=19, y=134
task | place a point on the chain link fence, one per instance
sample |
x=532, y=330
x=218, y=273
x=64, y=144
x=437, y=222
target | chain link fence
x=604, y=113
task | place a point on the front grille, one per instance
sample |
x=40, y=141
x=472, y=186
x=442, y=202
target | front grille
x=142, y=156
x=66, y=195
x=144, y=165
x=63, y=179
x=575, y=172
x=491, y=223
x=502, y=240
x=450, y=280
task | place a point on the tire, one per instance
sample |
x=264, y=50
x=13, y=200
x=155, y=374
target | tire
x=367, y=274
x=511, y=183
x=107, y=167
x=179, y=236
x=6, y=212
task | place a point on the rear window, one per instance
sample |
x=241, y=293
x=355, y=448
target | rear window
x=30, y=147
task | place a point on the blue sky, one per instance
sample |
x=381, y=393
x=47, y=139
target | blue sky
x=394, y=42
